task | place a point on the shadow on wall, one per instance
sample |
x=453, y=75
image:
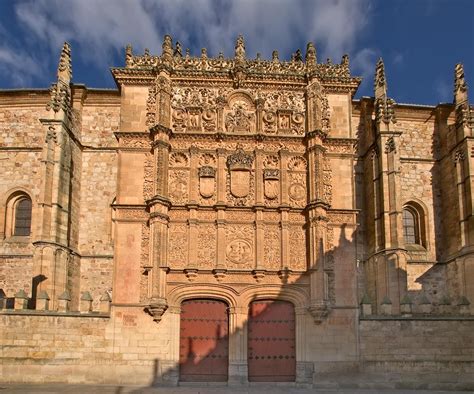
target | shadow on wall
x=269, y=334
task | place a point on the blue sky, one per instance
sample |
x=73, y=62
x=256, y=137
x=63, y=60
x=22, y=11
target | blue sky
x=420, y=40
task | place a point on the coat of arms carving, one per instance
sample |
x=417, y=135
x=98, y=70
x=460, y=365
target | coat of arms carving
x=207, y=176
x=240, y=165
x=271, y=179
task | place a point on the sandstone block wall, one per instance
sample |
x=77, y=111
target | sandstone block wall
x=445, y=346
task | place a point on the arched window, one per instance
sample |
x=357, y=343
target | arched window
x=22, y=209
x=414, y=230
x=410, y=227
x=18, y=215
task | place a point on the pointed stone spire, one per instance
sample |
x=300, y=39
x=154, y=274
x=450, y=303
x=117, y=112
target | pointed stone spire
x=384, y=106
x=380, y=83
x=65, y=66
x=310, y=55
x=460, y=86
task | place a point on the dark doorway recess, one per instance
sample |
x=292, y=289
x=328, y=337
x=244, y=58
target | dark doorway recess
x=204, y=341
x=271, y=342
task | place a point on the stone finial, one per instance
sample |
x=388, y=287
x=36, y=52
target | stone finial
x=460, y=86
x=128, y=55
x=167, y=48
x=178, y=51
x=406, y=305
x=240, y=49
x=105, y=302
x=42, y=301
x=63, y=301
x=310, y=57
x=425, y=304
x=65, y=65
x=21, y=300
x=386, y=306
x=298, y=56
x=366, y=305
x=86, y=302
x=464, y=306
x=275, y=56
x=345, y=60
x=203, y=53
x=380, y=82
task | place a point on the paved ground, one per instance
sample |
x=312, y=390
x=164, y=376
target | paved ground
x=260, y=389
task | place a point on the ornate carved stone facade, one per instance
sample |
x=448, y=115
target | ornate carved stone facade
x=240, y=181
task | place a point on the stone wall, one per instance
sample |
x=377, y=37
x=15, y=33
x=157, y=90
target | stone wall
x=129, y=348
x=412, y=346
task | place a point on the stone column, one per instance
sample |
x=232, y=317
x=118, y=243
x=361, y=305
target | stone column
x=238, y=365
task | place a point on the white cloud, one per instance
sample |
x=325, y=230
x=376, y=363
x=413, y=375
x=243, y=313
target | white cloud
x=101, y=28
x=363, y=65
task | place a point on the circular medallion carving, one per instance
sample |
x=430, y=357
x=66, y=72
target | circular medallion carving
x=177, y=188
x=297, y=192
x=239, y=251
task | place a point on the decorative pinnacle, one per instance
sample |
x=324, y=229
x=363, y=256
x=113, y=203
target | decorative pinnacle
x=65, y=66
x=167, y=47
x=460, y=86
x=240, y=48
x=128, y=55
x=310, y=55
x=380, y=83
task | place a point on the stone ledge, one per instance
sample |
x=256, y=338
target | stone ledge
x=19, y=312
x=425, y=318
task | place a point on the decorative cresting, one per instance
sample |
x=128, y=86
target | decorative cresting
x=60, y=91
x=384, y=106
x=242, y=71
x=240, y=166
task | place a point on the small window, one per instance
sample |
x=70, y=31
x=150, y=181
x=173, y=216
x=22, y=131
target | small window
x=18, y=215
x=22, y=211
x=411, y=231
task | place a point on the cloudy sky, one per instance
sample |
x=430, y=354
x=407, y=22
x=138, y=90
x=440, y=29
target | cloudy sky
x=419, y=40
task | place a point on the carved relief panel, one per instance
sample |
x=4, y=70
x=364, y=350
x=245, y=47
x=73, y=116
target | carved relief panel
x=177, y=245
x=240, y=250
x=210, y=110
x=179, y=178
x=297, y=191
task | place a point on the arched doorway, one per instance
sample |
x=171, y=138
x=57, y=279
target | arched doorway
x=271, y=342
x=204, y=341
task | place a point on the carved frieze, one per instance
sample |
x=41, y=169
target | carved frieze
x=297, y=247
x=272, y=247
x=177, y=245
x=206, y=246
x=179, y=186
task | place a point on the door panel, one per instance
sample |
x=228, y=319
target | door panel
x=204, y=341
x=271, y=342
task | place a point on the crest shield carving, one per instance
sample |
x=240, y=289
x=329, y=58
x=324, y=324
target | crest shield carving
x=207, y=176
x=240, y=183
x=271, y=178
x=240, y=165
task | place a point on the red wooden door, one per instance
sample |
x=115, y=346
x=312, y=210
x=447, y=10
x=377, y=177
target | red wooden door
x=204, y=341
x=271, y=342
